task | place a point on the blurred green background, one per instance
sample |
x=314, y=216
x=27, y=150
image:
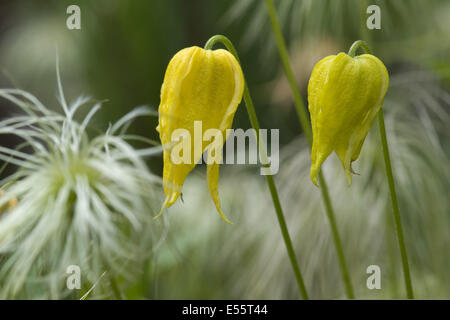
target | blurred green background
x=120, y=54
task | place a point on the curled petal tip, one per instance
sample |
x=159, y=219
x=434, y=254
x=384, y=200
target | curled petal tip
x=213, y=181
x=349, y=179
x=314, y=181
x=223, y=216
x=314, y=177
x=349, y=176
x=160, y=213
x=163, y=207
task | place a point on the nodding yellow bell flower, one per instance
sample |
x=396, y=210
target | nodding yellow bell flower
x=344, y=96
x=200, y=86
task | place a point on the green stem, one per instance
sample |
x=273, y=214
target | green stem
x=336, y=238
x=390, y=177
x=397, y=218
x=356, y=45
x=303, y=117
x=272, y=187
x=282, y=50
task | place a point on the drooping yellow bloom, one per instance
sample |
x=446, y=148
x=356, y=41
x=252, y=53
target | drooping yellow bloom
x=200, y=86
x=344, y=96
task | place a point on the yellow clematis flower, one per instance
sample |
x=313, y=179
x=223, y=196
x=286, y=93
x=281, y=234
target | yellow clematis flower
x=199, y=85
x=344, y=96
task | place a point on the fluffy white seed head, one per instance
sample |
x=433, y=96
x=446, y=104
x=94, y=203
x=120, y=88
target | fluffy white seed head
x=84, y=202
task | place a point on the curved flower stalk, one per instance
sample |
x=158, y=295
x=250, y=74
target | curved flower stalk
x=83, y=202
x=344, y=94
x=201, y=88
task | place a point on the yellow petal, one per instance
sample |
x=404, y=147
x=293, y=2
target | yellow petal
x=344, y=96
x=199, y=85
x=213, y=182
